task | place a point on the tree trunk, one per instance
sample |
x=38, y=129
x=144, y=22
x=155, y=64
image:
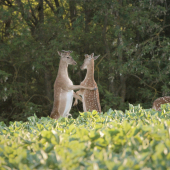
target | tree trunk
x=120, y=60
x=111, y=81
x=72, y=5
x=88, y=13
x=121, y=74
x=48, y=84
x=47, y=74
x=56, y=3
x=41, y=11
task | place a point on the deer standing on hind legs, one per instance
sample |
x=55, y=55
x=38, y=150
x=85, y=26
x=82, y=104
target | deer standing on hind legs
x=90, y=99
x=162, y=100
x=63, y=88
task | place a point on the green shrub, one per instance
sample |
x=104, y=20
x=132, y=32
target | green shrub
x=136, y=139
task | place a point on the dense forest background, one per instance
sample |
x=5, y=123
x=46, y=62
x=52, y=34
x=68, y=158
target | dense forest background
x=131, y=36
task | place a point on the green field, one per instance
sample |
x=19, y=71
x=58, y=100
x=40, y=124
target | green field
x=115, y=140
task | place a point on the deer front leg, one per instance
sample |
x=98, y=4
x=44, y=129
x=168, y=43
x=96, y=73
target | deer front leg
x=76, y=87
x=76, y=96
x=68, y=115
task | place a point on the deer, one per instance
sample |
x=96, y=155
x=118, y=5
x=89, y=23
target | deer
x=161, y=100
x=90, y=99
x=63, y=87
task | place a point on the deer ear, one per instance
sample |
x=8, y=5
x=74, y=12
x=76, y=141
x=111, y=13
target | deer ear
x=59, y=53
x=96, y=57
x=86, y=55
x=92, y=55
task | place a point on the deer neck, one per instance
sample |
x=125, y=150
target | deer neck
x=63, y=69
x=90, y=71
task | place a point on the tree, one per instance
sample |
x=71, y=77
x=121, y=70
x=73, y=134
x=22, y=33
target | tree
x=132, y=38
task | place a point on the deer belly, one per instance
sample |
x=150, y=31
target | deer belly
x=90, y=101
x=68, y=104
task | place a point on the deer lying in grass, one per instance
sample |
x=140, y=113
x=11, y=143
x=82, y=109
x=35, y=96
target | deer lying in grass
x=91, y=99
x=162, y=100
x=63, y=88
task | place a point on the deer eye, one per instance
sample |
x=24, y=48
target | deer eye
x=68, y=57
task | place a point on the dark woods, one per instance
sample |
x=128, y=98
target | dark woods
x=132, y=37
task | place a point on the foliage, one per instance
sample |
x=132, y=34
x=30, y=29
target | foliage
x=136, y=139
x=132, y=38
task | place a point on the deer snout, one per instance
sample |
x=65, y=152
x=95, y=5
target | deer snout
x=74, y=63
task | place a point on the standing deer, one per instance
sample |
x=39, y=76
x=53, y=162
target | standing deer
x=162, y=100
x=91, y=99
x=63, y=88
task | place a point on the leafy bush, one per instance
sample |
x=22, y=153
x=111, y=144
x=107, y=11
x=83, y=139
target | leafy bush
x=132, y=37
x=136, y=139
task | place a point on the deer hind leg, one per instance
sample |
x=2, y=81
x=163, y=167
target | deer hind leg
x=55, y=115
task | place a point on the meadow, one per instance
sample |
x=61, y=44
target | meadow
x=135, y=139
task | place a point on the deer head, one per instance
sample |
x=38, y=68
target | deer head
x=87, y=61
x=66, y=57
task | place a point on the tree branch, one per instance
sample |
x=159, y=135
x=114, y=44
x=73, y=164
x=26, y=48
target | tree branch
x=33, y=14
x=51, y=6
x=3, y=3
x=20, y=4
x=147, y=85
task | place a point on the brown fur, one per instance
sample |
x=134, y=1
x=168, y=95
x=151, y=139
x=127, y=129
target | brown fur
x=57, y=90
x=91, y=99
x=162, y=100
x=63, y=88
